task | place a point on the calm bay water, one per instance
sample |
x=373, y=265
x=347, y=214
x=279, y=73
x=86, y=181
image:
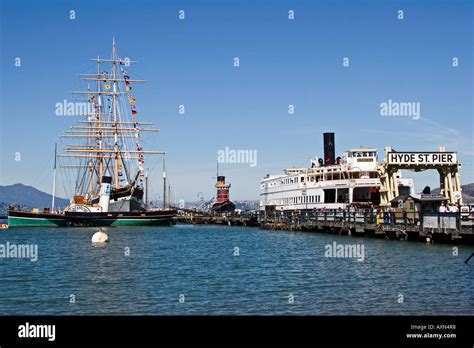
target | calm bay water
x=199, y=262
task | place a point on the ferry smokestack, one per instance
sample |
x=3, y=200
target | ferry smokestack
x=329, y=149
x=105, y=193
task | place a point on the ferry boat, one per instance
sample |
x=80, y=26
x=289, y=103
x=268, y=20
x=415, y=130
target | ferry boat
x=108, y=157
x=329, y=183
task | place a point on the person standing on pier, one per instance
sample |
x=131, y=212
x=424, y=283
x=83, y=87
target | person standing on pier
x=442, y=208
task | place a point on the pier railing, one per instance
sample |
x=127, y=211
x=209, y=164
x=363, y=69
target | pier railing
x=363, y=217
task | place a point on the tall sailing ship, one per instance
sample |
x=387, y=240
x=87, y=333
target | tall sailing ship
x=107, y=156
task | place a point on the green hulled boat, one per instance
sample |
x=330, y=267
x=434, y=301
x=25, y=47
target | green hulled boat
x=19, y=218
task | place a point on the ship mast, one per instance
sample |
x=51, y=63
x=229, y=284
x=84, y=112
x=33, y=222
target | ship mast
x=114, y=76
x=91, y=171
x=97, y=119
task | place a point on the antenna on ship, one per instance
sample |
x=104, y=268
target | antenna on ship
x=164, y=184
x=54, y=176
x=146, y=188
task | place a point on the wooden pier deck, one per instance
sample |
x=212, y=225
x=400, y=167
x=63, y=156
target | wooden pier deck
x=361, y=224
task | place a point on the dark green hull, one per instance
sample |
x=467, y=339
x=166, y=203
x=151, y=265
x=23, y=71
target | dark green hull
x=17, y=218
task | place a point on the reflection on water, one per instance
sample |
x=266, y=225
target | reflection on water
x=145, y=270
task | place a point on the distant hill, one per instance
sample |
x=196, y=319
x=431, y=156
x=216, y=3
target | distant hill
x=467, y=193
x=27, y=197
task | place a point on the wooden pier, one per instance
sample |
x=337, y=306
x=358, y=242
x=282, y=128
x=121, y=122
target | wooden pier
x=429, y=228
x=197, y=218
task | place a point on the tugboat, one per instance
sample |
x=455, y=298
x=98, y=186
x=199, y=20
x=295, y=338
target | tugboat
x=109, y=158
x=223, y=203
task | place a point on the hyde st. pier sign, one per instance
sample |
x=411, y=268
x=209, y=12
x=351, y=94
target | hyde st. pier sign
x=422, y=158
x=445, y=163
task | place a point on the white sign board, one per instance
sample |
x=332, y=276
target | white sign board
x=443, y=158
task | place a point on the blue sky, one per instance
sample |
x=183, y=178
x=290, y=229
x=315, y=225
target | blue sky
x=282, y=62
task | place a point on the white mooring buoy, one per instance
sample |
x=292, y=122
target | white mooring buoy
x=100, y=237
